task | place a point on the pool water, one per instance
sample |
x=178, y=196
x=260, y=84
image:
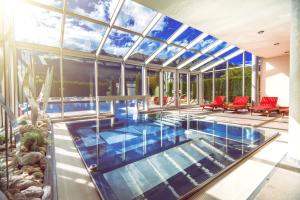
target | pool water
x=155, y=157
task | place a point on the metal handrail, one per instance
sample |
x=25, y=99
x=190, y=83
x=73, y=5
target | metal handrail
x=169, y=103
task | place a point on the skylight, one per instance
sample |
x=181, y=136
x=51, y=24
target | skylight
x=118, y=43
x=166, y=54
x=134, y=16
x=82, y=35
x=145, y=49
x=95, y=9
x=217, y=48
x=187, y=36
x=183, y=57
x=204, y=43
x=37, y=25
x=55, y=3
x=164, y=28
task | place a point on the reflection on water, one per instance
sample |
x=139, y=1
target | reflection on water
x=149, y=157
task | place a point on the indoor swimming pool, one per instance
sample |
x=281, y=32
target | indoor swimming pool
x=160, y=157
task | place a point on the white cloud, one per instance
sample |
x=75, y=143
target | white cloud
x=134, y=16
x=82, y=35
x=37, y=25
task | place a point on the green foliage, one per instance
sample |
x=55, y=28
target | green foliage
x=32, y=140
x=193, y=90
x=23, y=122
x=2, y=138
x=138, y=81
x=153, y=85
x=169, y=90
x=234, y=84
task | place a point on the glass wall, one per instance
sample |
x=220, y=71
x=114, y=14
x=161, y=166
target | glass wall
x=220, y=83
x=40, y=63
x=133, y=80
x=79, y=84
x=109, y=78
x=194, y=89
x=153, y=80
x=207, y=86
x=183, y=88
x=168, y=88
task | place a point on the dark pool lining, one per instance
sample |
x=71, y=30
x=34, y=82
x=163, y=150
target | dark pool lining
x=201, y=186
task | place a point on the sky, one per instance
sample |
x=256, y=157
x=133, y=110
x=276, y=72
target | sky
x=37, y=25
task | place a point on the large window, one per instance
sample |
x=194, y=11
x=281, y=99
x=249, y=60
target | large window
x=207, y=86
x=133, y=80
x=169, y=87
x=109, y=78
x=153, y=87
x=220, y=83
x=193, y=89
x=235, y=76
x=40, y=63
x=79, y=84
x=183, y=88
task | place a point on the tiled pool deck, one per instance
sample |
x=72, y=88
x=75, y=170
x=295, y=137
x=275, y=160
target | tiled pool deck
x=75, y=183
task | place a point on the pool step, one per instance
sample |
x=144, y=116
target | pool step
x=134, y=179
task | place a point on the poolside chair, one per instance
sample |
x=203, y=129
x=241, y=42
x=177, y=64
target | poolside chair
x=267, y=105
x=156, y=100
x=217, y=103
x=284, y=111
x=239, y=102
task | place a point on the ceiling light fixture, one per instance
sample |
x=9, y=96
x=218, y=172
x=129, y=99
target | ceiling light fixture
x=260, y=32
x=276, y=44
x=286, y=52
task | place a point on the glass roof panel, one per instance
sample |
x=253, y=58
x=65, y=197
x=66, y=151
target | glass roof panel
x=37, y=25
x=217, y=48
x=134, y=16
x=82, y=35
x=54, y=3
x=145, y=49
x=248, y=58
x=204, y=43
x=182, y=58
x=198, y=60
x=165, y=54
x=96, y=9
x=164, y=28
x=187, y=36
x=238, y=60
x=118, y=43
x=229, y=52
x=209, y=63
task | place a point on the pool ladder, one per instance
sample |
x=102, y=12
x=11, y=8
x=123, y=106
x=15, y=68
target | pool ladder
x=169, y=103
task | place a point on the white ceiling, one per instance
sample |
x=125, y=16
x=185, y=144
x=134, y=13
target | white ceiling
x=235, y=21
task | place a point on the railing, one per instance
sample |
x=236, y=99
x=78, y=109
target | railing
x=169, y=103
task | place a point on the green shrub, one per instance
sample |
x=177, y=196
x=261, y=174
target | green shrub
x=23, y=122
x=2, y=138
x=32, y=140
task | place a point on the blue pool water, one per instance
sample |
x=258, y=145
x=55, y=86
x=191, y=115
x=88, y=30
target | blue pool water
x=154, y=157
x=73, y=106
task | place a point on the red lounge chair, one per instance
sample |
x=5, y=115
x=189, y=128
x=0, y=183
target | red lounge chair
x=267, y=104
x=156, y=100
x=284, y=111
x=239, y=102
x=217, y=103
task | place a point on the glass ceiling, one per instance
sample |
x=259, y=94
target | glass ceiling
x=86, y=24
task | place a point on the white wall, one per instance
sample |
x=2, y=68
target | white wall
x=275, y=78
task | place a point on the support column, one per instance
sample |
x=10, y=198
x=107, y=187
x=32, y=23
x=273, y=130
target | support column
x=176, y=89
x=294, y=91
x=188, y=90
x=161, y=87
x=227, y=82
x=213, y=83
x=122, y=79
x=254, y=80
x=200, y=89
x=144, y=88
x=243, y=75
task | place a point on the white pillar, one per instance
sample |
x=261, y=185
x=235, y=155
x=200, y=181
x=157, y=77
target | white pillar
x=145, y=87
x=161, y=87
x=213, y=83
x=254, y=80
x=243, y=75
x=200, y=89
x=227, y=82
x=188, y=89
x=294, y=116
x=122, y=79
